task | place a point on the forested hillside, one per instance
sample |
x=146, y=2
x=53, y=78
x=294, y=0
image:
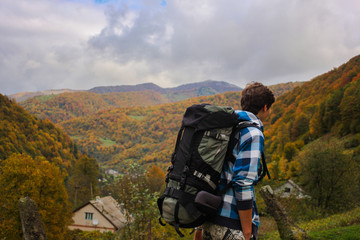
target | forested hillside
x=141, y=134
x=102, y=124
x=281, y=88
x=65, y=106
x=40, y=161
x=327, y=105
x=21, y=133
x=313, y=137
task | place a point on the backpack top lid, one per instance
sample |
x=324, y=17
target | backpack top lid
x=206, y=116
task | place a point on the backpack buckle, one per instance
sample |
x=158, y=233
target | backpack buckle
x=173, y=157
x=182, y=181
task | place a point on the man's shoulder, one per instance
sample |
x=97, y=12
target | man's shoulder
x=252, y=131
x=250, y=135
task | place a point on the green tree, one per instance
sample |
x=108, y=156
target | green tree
x=83, y=182
x=139, y=202
x=139, y=196
x=299, y=126
x=290, y=150
x=350, y=109
x=328, y=174
x=332, y=108
x=42, y=181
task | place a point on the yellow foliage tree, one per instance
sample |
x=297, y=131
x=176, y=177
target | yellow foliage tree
x=40, y=180
x=155, y=178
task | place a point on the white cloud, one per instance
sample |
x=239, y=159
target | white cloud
x=79, y=44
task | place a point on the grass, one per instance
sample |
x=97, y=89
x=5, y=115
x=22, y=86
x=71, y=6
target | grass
x=137, y=117
x=339, y=226
x=342, y=233
x=107, y=142
x=75, y=137
x=44, y=98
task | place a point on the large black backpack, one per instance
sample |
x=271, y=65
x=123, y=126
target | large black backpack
x=205, y=140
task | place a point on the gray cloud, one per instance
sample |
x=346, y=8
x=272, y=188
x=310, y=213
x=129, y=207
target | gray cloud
x=80, y=45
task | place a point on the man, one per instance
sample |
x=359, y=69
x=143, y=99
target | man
x=238, y=216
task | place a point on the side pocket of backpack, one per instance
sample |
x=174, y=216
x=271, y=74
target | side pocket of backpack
x=213, y=147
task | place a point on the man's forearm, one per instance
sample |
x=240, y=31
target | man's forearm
x=246, y=222
x=198, y=234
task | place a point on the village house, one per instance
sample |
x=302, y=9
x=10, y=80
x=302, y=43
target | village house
x=112, y=172
x=102, y=214
x=290, y=189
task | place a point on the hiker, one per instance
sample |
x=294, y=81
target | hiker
x=238, y=216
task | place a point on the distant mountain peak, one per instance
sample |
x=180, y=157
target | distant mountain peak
x=127, y=88
x=212, y=87
x=217, y=86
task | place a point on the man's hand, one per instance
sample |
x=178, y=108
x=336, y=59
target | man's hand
x=198, y=234
x=246, y=222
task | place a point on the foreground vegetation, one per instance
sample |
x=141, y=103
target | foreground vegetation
x=345, y=225
x=342, y=233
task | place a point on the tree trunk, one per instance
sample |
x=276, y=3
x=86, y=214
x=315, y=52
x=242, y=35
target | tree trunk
x=287, y=229
x=32, y=226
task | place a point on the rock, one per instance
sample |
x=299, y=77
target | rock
x=287, y=228
x=30, y=219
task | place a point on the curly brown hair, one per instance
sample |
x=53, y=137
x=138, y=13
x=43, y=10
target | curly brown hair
x=255, y=96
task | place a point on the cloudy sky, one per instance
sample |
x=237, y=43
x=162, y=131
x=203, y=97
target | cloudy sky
x=80, y=44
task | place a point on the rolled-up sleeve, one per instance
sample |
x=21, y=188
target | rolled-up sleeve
x=248, y=154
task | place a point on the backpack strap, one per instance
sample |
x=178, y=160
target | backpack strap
x=177, y=222
x=173, y=155
x=180, y=133
x=235, y=137
x=265, y=170
x=188, y=133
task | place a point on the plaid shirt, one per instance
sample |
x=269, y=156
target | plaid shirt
x=243, y=175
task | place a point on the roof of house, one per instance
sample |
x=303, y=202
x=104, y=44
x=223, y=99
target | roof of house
x=298, y=191
x=110, y=209
x=295, y=185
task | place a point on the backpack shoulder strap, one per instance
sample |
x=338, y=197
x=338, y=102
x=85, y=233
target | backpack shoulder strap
x=265, y=170
x=236, y=137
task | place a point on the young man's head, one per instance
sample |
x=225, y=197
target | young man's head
x=256, y=97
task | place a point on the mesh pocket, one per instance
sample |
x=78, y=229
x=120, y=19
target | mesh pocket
x=212, y=147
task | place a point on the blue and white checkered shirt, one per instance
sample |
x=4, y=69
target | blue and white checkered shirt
x=243, y=174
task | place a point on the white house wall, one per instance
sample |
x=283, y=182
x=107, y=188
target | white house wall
x=88, y=225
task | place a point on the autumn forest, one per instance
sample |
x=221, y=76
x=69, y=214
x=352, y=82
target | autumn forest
x=59, y=149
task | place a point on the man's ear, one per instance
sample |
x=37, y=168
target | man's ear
x=265, y=108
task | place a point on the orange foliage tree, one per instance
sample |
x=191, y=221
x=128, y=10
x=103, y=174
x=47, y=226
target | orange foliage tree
x=40, y=180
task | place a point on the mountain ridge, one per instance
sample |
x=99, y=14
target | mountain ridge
x=66, y=106
x=218, y=86
x=127, y=88
x=187, y=89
